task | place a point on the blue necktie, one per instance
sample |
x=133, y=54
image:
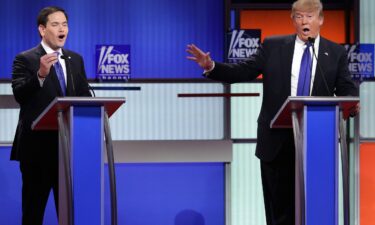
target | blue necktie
x=304, y=78
x=60, y=75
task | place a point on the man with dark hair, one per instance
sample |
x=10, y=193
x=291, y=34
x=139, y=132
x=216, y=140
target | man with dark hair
x=39, y=75
x=44, y=13
x=279, y=60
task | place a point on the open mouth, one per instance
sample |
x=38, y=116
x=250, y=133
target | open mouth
x=306, y=30
x=61, y=37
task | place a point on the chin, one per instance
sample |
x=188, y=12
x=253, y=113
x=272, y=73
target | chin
x=303, y=37
x=60, y=45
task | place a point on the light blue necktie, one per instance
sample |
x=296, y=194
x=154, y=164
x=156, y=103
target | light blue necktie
x=304, y=78
x=60, y=75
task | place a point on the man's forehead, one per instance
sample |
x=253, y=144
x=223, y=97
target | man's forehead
x=306, y=11
x=56, y=17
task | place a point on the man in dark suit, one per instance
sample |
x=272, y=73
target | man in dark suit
x=35, y=83
x=279, y=60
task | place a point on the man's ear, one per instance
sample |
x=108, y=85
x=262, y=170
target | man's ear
x=41, y=29
x=321, y=21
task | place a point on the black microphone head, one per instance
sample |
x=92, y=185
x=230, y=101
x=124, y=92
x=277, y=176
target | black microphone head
x=311, y=40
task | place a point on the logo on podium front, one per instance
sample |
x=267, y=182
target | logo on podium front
x=113, y=62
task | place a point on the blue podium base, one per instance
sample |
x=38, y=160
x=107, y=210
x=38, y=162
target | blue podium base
x=321, y=165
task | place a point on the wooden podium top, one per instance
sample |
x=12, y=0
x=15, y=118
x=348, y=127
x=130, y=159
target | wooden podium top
x=47, y=120
x=283, y=118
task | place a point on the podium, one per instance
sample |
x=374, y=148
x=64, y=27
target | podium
x=318, y=125
x=83, y=125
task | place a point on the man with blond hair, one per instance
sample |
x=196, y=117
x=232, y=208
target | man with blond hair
x=280, y=59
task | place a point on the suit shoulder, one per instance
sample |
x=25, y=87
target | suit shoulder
x=278, y=41
x=30, y=56
x=30, y=52
x=332, y=44
x=71, y=53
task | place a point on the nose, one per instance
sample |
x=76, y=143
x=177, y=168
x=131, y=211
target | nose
x=304, y=20
x=61, y=28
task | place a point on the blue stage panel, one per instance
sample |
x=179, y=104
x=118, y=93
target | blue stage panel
x=10, y=189
x=148, y=193
x=169, y=194
x=10, y=193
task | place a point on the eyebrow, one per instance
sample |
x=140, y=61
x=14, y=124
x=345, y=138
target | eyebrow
x=55, y=22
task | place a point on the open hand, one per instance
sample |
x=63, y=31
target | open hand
x=203, y=59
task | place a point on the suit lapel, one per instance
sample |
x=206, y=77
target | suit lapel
x=69, y=87
x=287, y=60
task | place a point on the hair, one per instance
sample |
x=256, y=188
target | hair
x=45, y=12
x=307, y=5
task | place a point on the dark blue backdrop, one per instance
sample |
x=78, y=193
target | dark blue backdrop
x=157, y=31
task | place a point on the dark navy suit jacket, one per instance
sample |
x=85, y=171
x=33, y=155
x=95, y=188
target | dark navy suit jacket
x=274, y=60
x=39, y=146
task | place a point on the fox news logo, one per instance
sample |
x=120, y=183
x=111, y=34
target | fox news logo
x=243, y=44
x=113, y=62
x=361, y=60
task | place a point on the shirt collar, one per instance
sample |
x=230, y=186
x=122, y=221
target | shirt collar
x=301, y=43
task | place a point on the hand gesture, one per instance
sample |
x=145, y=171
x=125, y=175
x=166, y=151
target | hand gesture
x=46, y=62
x=197, y=55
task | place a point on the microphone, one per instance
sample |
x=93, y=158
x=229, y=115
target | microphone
x=312, y=41
x=67, y=59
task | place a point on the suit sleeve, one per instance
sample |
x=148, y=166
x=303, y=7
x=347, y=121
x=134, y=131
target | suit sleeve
x=344, y=83
x=25, y=82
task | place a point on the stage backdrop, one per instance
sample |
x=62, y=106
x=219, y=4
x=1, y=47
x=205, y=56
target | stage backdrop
x=157, y=32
